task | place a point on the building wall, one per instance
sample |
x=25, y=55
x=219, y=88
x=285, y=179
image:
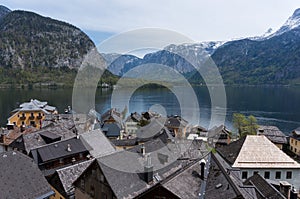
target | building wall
x=92, y=184
x=57, y=195
x=18, y=119
x=295, y=146
x=295, y=180
x=280, y=146
x=131, y=128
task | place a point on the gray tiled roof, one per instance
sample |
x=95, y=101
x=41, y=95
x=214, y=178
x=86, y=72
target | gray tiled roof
x=231, y=151
x=263, y=188
x=68, y=175
x=21, y=178
x=135, y=184
x=97, y=144
x=59, y=149
x=272, y=133
x=111, y=129
x=186, y=184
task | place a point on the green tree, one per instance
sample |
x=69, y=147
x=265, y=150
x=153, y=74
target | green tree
x=245, y=125
x=252, y=125
x=239, y=122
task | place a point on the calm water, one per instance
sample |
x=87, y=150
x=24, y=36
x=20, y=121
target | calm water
x=278, y=106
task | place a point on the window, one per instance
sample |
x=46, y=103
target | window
x=82, y=183
x=292, y=148
x=277, y=175
x=255, y=172
x=31, y=114
x=295, y=150
x=32, y=123
x=289, y=175
x=244, y=175
x=296, y=142
x=267, y=175
x=292, y=141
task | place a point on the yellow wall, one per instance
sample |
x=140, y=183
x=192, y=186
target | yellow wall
x=57, y=195
x=295, y=145
x=17, y=118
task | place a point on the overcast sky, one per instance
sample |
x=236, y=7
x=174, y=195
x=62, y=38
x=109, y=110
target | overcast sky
x=201, y=20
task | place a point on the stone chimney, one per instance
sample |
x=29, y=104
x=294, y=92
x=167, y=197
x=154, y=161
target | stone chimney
x=293, y=194
x=148, y=170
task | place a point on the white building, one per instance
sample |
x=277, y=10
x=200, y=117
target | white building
x=259, y=155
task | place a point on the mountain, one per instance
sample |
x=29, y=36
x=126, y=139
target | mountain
x=29, y=40
x=272, y=60
x=4, y=11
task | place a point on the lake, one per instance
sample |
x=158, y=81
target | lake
x=279, y=106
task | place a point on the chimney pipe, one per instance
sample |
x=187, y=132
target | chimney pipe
x=143, y=150
x=202, y=165
x=69, y=148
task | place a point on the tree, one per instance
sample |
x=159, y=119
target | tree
x=239, y=122
x=252, y=125
x=245, y=125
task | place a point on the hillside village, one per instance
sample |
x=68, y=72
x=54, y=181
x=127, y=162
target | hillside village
x=46, y=154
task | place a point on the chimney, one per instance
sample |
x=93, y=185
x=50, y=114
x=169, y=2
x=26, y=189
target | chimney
x=284, y=188
x=69, y=148
x=148, y=170
x=143, y=150
x=293, y=193
x=202, y=165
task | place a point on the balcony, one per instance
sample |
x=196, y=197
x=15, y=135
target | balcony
x=31, y=117
x=23, y=117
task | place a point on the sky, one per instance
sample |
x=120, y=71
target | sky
x=200, y=20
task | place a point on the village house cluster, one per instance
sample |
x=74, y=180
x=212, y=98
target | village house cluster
x=47, y=155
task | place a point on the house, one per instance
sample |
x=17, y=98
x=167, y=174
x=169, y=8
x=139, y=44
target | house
x=62, y=180
x=112, y=116
x=131, y=123
x=257, y=154
x=295, y=141
x=274, y=135
x=21, y=178
x=135, y=176
x=60, y=154
x=51, y=133
x=177, y=126
x=30, y=114
x=224, y=135
x=223, y=181
x=11, y=136
x=112, y=130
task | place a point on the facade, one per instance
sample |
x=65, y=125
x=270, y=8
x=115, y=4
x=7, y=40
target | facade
x=177, y=126
x=295, y=141
x=258, y=155
x=31, y=114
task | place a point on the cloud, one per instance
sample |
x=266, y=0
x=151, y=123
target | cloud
x=198, y=19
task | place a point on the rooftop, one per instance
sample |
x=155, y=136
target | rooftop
x=58, y=149
x=96, y=143
x=259, y=152
x=272, y=133
x=21, y=178
x=69, y=174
